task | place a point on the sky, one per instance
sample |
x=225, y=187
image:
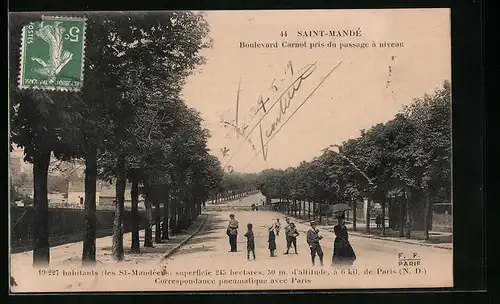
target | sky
x=335, y=92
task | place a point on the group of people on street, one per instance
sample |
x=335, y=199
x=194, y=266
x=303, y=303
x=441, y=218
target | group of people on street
x=343, y=253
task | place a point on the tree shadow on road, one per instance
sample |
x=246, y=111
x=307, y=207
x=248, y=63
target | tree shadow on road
x=158, y=247
x=213, y=224
x=202, y=239
x=195, y=249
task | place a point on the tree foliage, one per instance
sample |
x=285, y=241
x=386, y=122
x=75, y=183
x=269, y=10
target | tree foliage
x=410, y=153
x=127, y=122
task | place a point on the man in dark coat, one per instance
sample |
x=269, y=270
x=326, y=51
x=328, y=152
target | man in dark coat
x=272, y=241
x=313, y=239
x=232, y=232
x=287, y=233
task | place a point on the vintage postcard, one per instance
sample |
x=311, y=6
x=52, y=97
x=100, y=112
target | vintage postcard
x=230, y=150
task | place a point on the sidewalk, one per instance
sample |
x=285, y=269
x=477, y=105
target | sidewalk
x=372, y=235
x=71, y=254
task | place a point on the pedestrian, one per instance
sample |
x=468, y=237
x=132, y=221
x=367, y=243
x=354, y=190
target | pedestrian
x=277, y=226
x=313, y=238
x=292, y=238
x=250, y=241
x=378, y=221
x=272, y=241
x=287, y=228
x=232, y=232
x=343, y=253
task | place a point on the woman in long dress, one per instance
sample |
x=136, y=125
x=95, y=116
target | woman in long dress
x=272, y=241
x=343, y=253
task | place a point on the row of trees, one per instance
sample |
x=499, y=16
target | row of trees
x=405, y=162
x=128, y=122
x=234, y=185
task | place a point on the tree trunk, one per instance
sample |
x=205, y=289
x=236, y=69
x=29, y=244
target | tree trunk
x=368, y=216
x=157, y=216
x=179, y=218
x=194, y=210
x=117, y=247
x=354, y=214
x=402, y=217
x=189, y=213
x=148, y=232
x=185, y=216
x=41, y=248
x=309, y=210
x=383, y=212
x=427, y=217
x=173, y=215
x=409, y=211
x=166, y=211
x=88, y=254
x=319, y=213
x=134, y=194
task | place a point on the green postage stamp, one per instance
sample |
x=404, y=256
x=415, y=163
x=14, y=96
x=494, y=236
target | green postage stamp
x=52, y=54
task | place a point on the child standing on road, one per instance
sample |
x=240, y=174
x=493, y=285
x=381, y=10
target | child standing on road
x=250, y=241
x=292, y=234
x=272, y=241
x=277, y=225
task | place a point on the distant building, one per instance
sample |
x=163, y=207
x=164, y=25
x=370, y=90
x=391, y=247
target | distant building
x=442, y=217
x=57, y=200
x=76, y=194
x=26, y=190
x=105, y=196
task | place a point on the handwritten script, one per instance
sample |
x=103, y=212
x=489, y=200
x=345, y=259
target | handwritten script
x=284, y=100
x=283, y=92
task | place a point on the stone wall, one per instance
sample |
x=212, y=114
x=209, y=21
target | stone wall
x=65, y=226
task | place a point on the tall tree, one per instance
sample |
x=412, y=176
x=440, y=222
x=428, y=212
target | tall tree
x=43, y=124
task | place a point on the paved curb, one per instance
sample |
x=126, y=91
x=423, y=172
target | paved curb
x=173, y=250
x=399, y=240
x=382, y=238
